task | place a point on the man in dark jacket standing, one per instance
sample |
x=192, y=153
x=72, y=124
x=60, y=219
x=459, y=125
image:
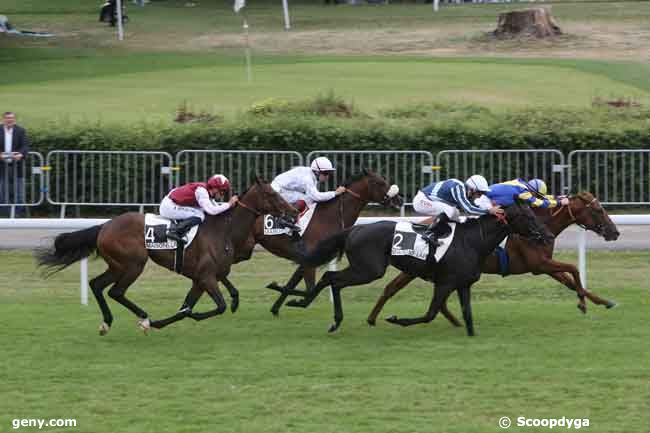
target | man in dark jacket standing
x=14, y=146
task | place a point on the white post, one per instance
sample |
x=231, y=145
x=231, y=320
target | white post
x=582, y=256
x=285, y=7
x=249, y=74
x=120, y=28
x=332, y=267
x=435, y=5
x=84, y=281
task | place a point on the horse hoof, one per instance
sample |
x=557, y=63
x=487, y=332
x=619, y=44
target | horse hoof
x=610, y=305
x=371, y=322
x=274, y=286
x=392, y=319
x=234, y=306
x=145, y=325
x=582, y=308
x=333, y=327
x=104, y=328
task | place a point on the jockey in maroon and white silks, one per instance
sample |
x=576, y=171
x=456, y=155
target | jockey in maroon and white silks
x=192, y=201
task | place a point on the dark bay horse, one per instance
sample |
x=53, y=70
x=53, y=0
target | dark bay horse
x=527, y=256
x=368, y=249
x=120, y=242
x=329, y=218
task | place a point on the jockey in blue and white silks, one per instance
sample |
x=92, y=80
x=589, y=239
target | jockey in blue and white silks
x=533, y=192
x=443, y=200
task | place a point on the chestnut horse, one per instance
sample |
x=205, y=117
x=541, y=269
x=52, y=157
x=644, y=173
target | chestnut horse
x=329, y=218
x=526, y=256
x=120, y=242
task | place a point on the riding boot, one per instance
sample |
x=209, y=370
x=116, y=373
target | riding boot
x=432, y=232
x=177, y=231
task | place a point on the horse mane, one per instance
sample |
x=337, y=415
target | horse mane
x=355, y=178
x=585, y=196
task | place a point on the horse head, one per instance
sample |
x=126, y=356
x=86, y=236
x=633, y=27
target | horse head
x=523, y=221
x=263, y=199
x=375, y=188
x=588, y=213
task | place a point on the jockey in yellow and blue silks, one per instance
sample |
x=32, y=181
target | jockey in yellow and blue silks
x=533, y=192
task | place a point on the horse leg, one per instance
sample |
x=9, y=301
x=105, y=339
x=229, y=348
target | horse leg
x=287, y=290
x=218, y=299
x=234, y=294
x=550, y=266
x=291, y=284
x=440, y=295
x=338, y=309
x=449, y=315
x=119, y=289
x=314, y=292
x=568, y=282
x=397, y=284
x=98, y=284
x=464, y=295
x=186, y=309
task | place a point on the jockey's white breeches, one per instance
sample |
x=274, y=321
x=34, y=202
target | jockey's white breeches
x=422, y=205
x=171, y=210
x=292, y=197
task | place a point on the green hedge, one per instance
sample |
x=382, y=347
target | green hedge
x=439, y=128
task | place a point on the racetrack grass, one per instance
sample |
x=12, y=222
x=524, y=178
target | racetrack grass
x=132, y=88
x=174, y=54
x=535, y=355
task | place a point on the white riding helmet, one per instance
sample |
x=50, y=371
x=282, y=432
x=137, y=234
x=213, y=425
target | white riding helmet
x=539, y=186
x=477, y=183
x=322, y=164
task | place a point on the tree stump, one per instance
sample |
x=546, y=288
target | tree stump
x=536, y=22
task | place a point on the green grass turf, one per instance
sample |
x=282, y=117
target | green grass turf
x=138, y=87
x=535, y=355
x=84, y=74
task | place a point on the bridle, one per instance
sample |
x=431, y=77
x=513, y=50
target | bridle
x=598, y=228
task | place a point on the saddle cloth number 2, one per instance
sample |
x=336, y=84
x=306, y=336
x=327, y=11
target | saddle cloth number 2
x=404, y=241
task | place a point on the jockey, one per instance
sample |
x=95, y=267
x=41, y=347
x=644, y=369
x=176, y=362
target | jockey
x=444, y=199
x=298, y=186
x=192, y=201
x=533, y=192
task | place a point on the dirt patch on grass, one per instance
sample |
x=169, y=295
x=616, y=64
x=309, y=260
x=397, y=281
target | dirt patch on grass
x=595, y=41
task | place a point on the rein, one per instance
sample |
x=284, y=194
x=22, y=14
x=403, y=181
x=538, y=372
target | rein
x=353, y=194
x=245, y=206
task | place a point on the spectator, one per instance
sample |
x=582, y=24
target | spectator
x=14, y=146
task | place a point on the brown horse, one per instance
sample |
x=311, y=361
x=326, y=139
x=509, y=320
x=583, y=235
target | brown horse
x=120, y=242
x=329, y=218
x=526, y=256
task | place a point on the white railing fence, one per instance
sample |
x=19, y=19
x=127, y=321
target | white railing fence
x=82, y=223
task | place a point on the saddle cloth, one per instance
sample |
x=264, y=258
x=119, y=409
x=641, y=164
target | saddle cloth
x=155, y=233
x=272, y=227
x=408, y=242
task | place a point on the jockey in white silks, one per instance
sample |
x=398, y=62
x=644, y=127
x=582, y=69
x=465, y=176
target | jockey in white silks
x=298, y=186
x=192, y=201
x=444, y=200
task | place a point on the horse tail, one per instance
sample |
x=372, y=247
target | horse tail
x=67, y=249
x=326, y=250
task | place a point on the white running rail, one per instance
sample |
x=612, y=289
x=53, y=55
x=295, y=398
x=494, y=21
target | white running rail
x=82, y=223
